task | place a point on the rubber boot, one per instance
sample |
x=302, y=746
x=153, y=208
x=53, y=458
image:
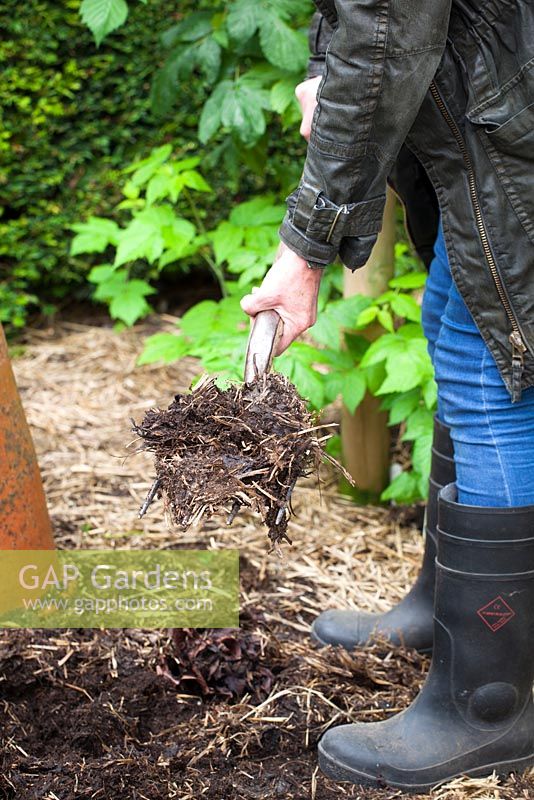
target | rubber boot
x=410, y=622
x=474, y=713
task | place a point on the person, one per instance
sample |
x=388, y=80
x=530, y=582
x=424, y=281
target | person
x=440, y=94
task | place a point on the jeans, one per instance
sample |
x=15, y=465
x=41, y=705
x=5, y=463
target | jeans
x=493, y=438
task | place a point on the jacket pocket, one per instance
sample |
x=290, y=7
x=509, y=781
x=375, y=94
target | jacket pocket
x=506, y=130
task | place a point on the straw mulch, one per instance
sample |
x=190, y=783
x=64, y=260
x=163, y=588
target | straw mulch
x=89, y=714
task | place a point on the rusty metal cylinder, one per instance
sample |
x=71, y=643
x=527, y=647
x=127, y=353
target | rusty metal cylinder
x=24, y=520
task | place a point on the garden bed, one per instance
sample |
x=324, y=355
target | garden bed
x=87, y=714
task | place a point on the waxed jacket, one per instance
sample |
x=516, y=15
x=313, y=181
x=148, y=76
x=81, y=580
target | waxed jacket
x=451, y=84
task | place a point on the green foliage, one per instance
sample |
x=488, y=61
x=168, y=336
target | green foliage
x=163, y=227
x=248, y=56
x=70, y=117
x=154, y=236
x=249, y=53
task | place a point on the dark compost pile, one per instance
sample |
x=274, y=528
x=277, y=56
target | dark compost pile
x=224, y=449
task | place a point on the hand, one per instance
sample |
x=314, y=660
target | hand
x=290, y=288
x=306, y=93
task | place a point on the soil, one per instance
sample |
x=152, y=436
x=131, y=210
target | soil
x=88, y=714
x=98, y=714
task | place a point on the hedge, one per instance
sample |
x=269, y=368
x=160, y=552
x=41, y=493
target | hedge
x=70, y=116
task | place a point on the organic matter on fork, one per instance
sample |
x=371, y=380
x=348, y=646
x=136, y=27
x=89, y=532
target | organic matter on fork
x=217, y=449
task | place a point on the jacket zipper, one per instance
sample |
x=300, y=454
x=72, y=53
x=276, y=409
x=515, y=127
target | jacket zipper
x=515, y=338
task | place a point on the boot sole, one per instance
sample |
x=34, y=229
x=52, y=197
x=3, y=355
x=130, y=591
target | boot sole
x=340, y=772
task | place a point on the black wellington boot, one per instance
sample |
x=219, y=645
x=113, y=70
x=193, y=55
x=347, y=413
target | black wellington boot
x=410, y=621
x=474, y=713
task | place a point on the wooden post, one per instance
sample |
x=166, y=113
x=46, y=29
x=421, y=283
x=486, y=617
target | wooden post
x=365, y=436
x=24, y=520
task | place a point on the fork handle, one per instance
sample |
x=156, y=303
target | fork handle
x=264, y=336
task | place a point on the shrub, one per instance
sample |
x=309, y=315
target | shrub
x=71, y=115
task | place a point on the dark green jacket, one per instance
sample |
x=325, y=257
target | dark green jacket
x=453, y=83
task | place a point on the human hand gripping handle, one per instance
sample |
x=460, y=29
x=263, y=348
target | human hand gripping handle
x=290, y=288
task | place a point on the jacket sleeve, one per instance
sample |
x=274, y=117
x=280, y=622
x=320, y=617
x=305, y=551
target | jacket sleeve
x=379, y=64
x=319, y=36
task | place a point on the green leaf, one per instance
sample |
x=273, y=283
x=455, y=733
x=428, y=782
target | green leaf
x=333, y=446
x=111, y=286
x=367, y=316
x=309, y=384
x=227, y=239
x=254, y=274
x=404, y=372
x=208, y=58
x=214, y=325
x=158, y=187
x=411, y=330
x=177, y=232
x=198, y=319
x=333, y=386
x=404, y=489
x=306, y=353
x=130, y=305
x=94, y=235
x=413, y=280
x=405, y=306
x=402, y=405
x=165, y=347
x=375, y=376
x=430, y=394
x=144, y=169
x=282, y=95
x=103, y=16
x=258, y=212
x=210, y=118
x=354, y=388
x=385, y=297
x=338, y=314
x=422, y=487
x=347, y=310
x=422, y=455
x=186, y=163
x=191, y=29
x=420, y=423
x=142, y=238
x=384, y=347
x=242, y=20
x=164, y=87
x=242, y=112
x=326, y=330
x=101, y=273
x=385, y=319
x=338, y=359
x=281, y=45
x=194, y=180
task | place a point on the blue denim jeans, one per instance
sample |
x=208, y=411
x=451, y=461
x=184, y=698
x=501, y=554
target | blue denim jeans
x=493, y=438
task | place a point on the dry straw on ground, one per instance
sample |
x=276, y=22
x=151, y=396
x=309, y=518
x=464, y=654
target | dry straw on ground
x=85, y=714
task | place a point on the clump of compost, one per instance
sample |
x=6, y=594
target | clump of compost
x=224, y=449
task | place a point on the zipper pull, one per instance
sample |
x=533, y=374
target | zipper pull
x=518, y=361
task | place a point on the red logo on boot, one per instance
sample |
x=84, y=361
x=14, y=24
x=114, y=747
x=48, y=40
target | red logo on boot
x=496, y=613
